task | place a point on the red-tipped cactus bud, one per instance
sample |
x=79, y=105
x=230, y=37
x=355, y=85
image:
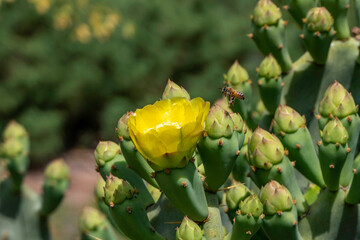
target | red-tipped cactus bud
x=122, y=128
x=265, y=149
x=91, y=219
x=269, y=68
x=319, y=19
x=14, y=130
x=219, y=123
x=337, y=102
x=266, y=13
x=235, y=195
x=236, y=74
x=188, y=230
x=335, y=132
x=105, y=151
x=238, y=121
x=117, y=190
x=275, y=198
x=251, y=206
x=287, y=120
x=173, y=90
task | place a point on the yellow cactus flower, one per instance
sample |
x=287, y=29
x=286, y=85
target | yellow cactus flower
x=166, y=133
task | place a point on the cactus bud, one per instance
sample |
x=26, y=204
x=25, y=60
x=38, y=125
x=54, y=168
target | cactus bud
x=319, y=19
x=265, y=149
x=236, y=74
x=117, y=190
x=224, y=104
x=275, y=198
x=12, y=147
x=122, y=128
x=57, y=170
x=235, y=195
x=269, y=68
x=188, y=230
x=337, y=101
x=266, y=13
x=287, y=120
x=91, y=219
x=14, y=130
x=251, y=206
x=105, y=151
x=219, y=123
x=238, y=121
x=335, y=132
x=173, y=90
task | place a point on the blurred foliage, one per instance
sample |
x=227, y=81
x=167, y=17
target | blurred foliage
x=70, y=68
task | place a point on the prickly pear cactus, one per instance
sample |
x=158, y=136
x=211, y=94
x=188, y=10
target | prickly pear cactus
x=283, y=167
x=24, y=214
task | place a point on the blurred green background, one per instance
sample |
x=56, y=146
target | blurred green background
x=70, y=69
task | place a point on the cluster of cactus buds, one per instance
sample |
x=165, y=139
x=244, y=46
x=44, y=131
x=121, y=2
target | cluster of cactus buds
x=283, y=167
x=24, y=214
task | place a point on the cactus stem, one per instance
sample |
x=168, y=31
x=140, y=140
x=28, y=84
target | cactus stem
x=221, y=142
x=319, y=143
x=332, y=166
x=167, y=170
x=237, y=152
x=128, y=209
x=279, y=169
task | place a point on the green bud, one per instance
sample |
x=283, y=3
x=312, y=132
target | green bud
x=224, y=103
x=235, y=195
x=238, y=121
x=99, y=188
x=275, y=198
x=188, y=230
x=337, y=102
x=219, y=123
x=117, y=190
x=14, y=130
x=57, y=170
x=334, y=132
x=287, y=120
x=91, y=219
x=236, y=74
x=319, y=19
x=265, y=149
x=105, y=151
x=12, y=148
x=251, y=206
x=173, y=90
x=266, y=13
x=269, y=68
x=122, y=128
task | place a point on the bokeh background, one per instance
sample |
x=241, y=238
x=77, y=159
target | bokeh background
x=70, y=69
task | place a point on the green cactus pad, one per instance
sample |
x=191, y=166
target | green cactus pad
x=130, y=216
x=353, y=196
x=245, y=227
x=338, y=9
x=270, y=92
x=184, y=188
x=219, y=157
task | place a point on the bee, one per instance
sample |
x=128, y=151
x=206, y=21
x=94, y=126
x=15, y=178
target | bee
x=232, y=94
